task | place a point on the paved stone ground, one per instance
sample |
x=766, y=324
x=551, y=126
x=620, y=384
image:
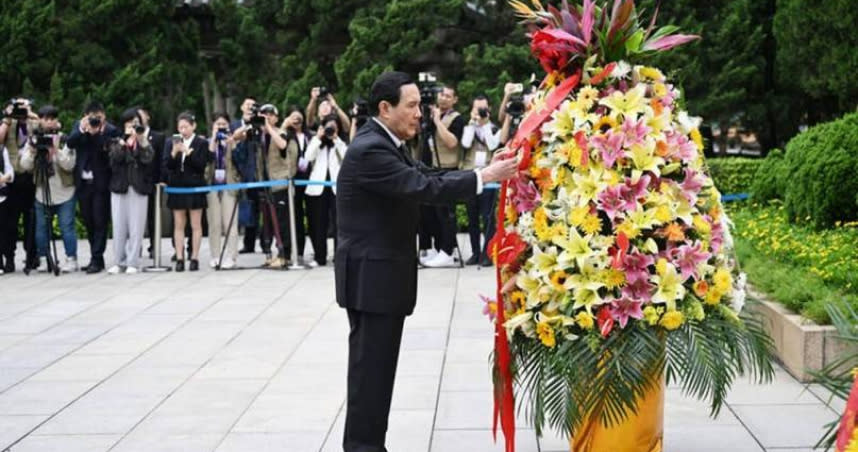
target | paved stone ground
x=254, y=360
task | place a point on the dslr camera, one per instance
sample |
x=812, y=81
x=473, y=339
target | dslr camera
x=222, y=134
x=323, y=93
x=361, y=109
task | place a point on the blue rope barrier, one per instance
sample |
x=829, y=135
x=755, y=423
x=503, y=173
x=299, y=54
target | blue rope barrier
x=735, y=197
x=304, y=183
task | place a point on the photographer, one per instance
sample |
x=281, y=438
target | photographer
x=323, y=105
x=221, y=204
x=326, y=151
x=18, y=123
x=479, y=141
x=7, y=225
x=359, y=115
x=89, y=138
x=297, y=137
x=446, y=152
x=512, y=110
x=45, y=155
x=188, y=156
x=281, y=164
x=131, y=161
x=246, y=163
x=261, y=137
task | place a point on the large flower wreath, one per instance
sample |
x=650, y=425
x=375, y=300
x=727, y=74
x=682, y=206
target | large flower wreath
x=614, y=254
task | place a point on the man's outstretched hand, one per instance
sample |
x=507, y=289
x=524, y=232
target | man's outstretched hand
x=504, y=166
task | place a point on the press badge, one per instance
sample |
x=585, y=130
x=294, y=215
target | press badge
x=220, y=176
x=480, y=159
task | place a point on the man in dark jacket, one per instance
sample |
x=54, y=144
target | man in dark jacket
x=90, y=137
x=379, y=191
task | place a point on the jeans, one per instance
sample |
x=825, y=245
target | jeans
x=65, y=214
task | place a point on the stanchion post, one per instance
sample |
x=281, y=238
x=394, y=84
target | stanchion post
x=293, y=240
x=156, y=245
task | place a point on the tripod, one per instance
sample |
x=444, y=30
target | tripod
x=42, y=173
x=428, y=147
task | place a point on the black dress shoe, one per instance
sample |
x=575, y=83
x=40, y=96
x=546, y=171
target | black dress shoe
x=180, y=265
x=246, y=251
x=474, y=260
x=92, y=269
x=195, y=265
x=486, y=262
x=9, y=266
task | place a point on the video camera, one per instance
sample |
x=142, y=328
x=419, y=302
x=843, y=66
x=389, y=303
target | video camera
x=19, y=109
x=429, y=89
x=257, y=122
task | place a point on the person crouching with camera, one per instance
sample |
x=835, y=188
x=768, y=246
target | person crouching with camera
x=221, y=204
x=326, y=152
x=131, y=183
x=52, y=164
x=188, y=156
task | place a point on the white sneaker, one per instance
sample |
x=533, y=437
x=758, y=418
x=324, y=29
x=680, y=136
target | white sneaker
x=427, y=255
x=441, y=260
x=312, y=263
x=213, y=263
x=227, y=264
x=43, y=265
x=114, y=270
x=131, y=270
x=70, y=265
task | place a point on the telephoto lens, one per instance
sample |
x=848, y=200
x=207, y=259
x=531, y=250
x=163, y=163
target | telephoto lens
x=483, y=112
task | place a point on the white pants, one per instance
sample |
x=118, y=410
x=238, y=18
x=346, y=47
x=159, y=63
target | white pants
x=218, y=213
x=129, y=224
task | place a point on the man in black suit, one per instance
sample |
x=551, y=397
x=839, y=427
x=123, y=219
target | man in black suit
x=379, y=191
x=89, y=137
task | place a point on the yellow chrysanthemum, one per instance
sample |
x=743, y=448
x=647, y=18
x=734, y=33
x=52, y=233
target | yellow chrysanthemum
x=546, y=334
x=723, y=280
x=663, y=213
x=701, y=225
x=697, y=139
x=672, y=320
x=540, y=225
x=578, y=215
x=613, y=278
x=713, y=296
x=585, y=320
x=650, y=314
x=629, y=229
x=592, y=224
x=518, y=299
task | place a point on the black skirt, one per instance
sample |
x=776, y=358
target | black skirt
x=190, y=201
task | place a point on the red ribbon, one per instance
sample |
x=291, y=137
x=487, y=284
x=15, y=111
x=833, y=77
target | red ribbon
x=504, y=401
x=848, y=421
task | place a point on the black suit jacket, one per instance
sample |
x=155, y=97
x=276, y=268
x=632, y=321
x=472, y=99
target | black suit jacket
x=192, y=173
x=379, y=193
x=156, y=139
x=92, y=155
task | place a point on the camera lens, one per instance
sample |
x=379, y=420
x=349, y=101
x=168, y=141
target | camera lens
x=139, y=129
x=330, y=131
x=483, y=112
x=94, y=121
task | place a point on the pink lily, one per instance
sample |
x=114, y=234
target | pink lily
x=639, y=289
x=634, y=132
x=636, y=264
x=611, y=201
x=525, y=195
x=625, y=308
x=691, y=185
x=610, y=147
x=688, y=258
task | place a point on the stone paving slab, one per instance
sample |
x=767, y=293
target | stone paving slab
x=255, y=360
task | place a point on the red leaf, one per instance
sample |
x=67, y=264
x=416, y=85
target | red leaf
x=535, y=119
x=606, y=321
x=604, y=74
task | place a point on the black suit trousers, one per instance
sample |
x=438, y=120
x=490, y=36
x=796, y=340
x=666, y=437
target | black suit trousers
x=374, y=343
x=95, y=210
